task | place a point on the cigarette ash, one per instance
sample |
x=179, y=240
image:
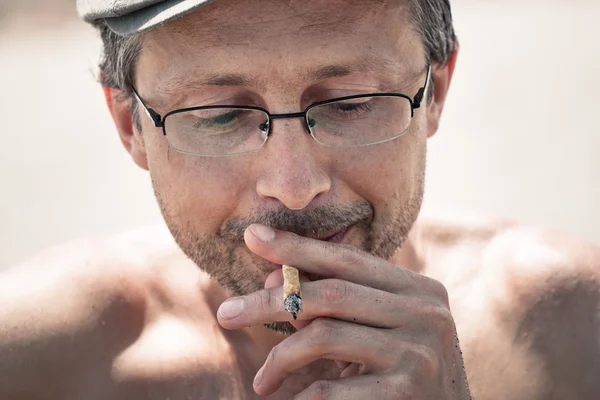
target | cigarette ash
x=293, y=304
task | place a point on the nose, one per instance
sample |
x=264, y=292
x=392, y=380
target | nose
x=290, y=172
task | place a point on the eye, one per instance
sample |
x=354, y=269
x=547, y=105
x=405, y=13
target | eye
x=218, y=120
x=350, y=108
x=226, y=118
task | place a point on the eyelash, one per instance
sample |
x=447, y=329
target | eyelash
x=358, y=107
x=211, y=122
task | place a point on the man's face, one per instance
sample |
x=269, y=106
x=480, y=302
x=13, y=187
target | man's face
x=293, y=183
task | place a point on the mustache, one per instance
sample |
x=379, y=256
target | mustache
x=315, y=221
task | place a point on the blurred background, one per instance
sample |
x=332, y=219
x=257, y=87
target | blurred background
x=519, y=136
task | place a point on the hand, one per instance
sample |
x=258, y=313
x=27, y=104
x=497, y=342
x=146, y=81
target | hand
x=393, y=326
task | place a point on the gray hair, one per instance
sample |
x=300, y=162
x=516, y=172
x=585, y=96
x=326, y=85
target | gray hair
x=118, y=59
x=432, y=20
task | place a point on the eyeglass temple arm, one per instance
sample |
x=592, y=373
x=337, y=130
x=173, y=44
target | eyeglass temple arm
x=421, y=93
x=154, y=116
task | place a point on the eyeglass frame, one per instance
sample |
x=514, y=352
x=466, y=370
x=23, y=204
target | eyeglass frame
x=159, y=121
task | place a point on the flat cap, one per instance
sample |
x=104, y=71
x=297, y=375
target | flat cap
x=128, y=17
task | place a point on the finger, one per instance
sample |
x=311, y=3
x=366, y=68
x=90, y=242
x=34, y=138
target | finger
x=275, y=279
x=328, y=298
x=350, y=370
x=325, y=339
x=333, y=260
x=342, y=365
x=378, y=387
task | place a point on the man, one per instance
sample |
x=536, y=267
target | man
x=294, y=133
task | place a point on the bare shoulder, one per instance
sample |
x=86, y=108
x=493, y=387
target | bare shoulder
x=110, y=318
x=537, y=261
x=99, y=268
x=528, y=299
x=552, y=287
x=527, y=258
x=66, y=304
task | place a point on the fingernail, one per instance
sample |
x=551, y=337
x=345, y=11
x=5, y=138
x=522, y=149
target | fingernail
x=259, y=377
x=231, y=308
x=263, y=233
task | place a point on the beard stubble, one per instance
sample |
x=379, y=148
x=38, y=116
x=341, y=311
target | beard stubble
x=226, y=259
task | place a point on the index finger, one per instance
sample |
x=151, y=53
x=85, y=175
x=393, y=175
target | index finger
x=328, y=259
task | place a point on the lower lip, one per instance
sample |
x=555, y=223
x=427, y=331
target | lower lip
x=339, y=237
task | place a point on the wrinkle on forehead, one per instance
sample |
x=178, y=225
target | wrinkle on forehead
x=237, y=22
x=181, y=80
x=238, y=37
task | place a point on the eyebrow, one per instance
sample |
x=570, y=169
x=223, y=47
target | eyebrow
x=179, y=82
x=341, y=70
x=228, y=80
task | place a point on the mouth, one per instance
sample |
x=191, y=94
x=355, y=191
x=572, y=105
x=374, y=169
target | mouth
x=332, y=237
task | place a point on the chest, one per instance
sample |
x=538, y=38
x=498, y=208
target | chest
x=176, y=359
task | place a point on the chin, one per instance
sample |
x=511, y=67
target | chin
x=282, y=328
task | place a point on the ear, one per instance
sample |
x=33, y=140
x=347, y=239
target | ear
x=120, y=110
x=442, y=77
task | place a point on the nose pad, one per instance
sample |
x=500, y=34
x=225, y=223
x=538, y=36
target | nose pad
x=265, y=127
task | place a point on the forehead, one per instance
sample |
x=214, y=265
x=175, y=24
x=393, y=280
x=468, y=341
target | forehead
x=269, y=39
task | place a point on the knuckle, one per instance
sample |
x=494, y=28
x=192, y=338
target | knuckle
x=336, y=292
x=265, y=301
x=436, y=319
x=421, y=363
x=298, y=243
x=426, y=363
x=440, y=292
x=391, y=349
x=351, y=256
x=322, y=331
x=436, y=290
x=442, y=319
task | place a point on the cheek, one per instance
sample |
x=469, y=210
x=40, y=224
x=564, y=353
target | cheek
x=386, y=175
x=201, y=192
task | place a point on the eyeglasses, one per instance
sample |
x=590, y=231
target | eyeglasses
x=351, y=121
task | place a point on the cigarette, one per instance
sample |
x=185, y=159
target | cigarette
x=292, y=294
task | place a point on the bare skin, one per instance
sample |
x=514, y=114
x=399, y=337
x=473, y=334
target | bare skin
x=143, y=316
x=132, y=318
